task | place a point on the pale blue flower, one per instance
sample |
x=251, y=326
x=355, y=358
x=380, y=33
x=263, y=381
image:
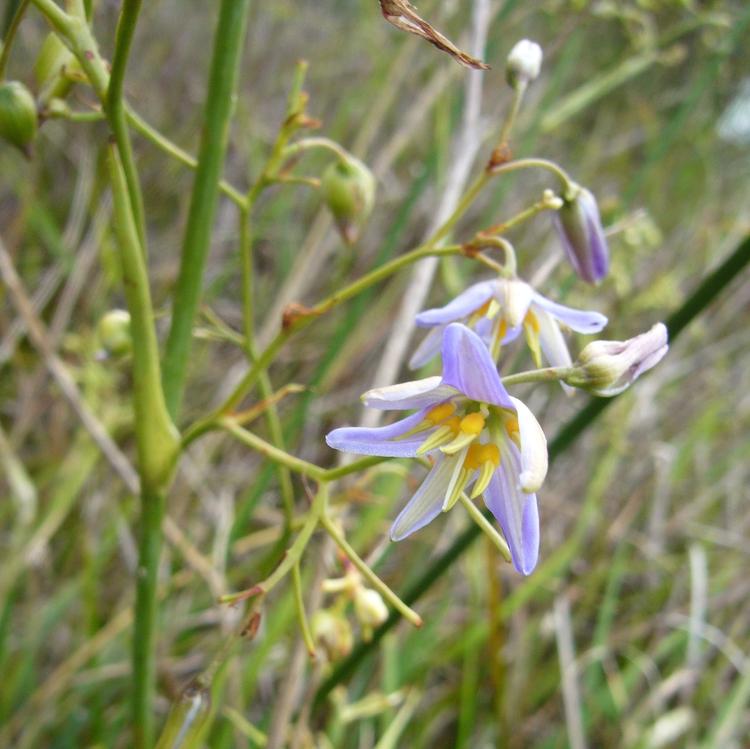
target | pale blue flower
x=476, y=435
x=498, y=310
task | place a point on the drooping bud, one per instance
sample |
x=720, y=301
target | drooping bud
x=114, y=332
x=524, y=63
x=370, y=607
x=580, y=228
x=348, y=188
x=606, y=368
x=18, y=116
x=333, y=633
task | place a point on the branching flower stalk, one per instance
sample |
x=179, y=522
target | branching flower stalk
x=475, y=438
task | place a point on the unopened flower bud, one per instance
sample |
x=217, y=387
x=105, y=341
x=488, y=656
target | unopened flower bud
x=18, y=116
x=333, y=633
x=370, y=607
x=580, y=228
x=348, y=188
x=524, y=63
x=606, y=368
x=114, y=332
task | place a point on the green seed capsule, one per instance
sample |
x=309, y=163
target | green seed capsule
x=18, y=117
x=114, y=332
x=348, y=188
x=187, y=719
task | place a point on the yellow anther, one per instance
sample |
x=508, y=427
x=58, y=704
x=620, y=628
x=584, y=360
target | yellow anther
x=485, y=458
x=473, y=459
x=491, y=453
x=510, y=424
x=493, y=309
x=443, y=411
x=444, y=433
x=531, y=321
x=472, y=423
x=531, y=330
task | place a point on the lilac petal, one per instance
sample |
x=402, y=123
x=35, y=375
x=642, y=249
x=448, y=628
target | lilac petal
x=380, y=440
x=580, y=229
x=462, y=306
x=415, y=394
x=428, y=348
x=512, y=334
x=427, y=502
x=553, y=344
x=516, y=512
x=582, y=321
x=468, y=367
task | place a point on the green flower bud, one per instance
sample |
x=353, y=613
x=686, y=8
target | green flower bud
x=114, y=332
x=606, y=368
x=349, y=191
x=333, y=633
x=18, y=117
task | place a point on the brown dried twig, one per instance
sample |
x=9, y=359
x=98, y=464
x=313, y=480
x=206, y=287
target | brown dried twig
x=402, y=15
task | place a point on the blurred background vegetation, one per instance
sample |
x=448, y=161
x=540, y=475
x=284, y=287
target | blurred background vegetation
x=634, y=631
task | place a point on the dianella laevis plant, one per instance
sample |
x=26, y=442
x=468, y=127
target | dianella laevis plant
x=463, y=425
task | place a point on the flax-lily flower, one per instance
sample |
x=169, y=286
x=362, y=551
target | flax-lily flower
x=477, y=435
x=499, y=310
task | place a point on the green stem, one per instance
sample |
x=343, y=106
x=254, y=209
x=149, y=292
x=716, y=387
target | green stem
x=338, y=538
x=272, y=452
x=299, y=602
x=568, y=185
x=161, y=141
x=305, y=318
x=332, y=474
x=7, y=43
x=293, y=553
x=518, y=92
x=537, y=375
x=485, y=526
x=115, y=108
x=228, y=39
x=146, y=618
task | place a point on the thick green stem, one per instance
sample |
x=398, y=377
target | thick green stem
x=115, y=108
x=146, y=617
x=230, y=33
x=156, y=436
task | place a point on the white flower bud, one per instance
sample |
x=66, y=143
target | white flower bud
x=606, y=368
x=524, y=63
x=370, y=607
x=333, y=633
